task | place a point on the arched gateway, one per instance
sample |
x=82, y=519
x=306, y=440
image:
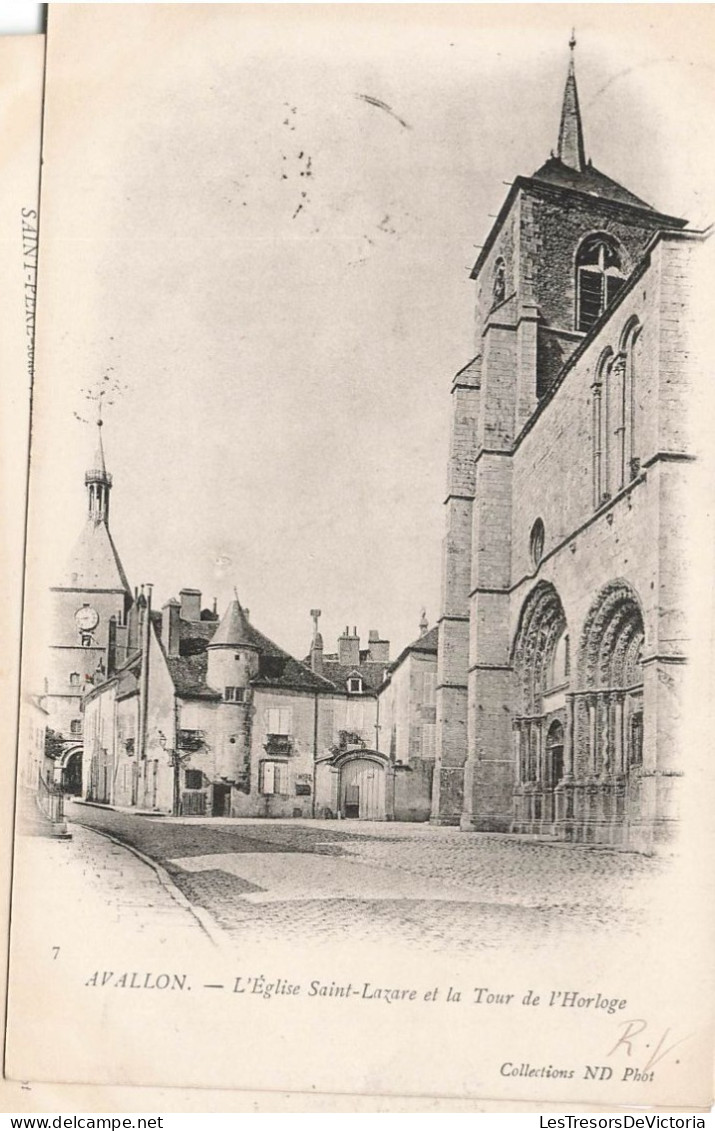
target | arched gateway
x=365, y=785
x=71, y=770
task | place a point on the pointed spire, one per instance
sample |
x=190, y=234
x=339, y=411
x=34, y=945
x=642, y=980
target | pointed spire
x=97, y=479
x=571, y=150
x=99, y=466
x=424, y=623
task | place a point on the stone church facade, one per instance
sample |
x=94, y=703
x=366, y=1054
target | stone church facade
x=563, y=634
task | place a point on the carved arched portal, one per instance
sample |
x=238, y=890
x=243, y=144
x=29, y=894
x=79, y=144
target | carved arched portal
x=541, y=665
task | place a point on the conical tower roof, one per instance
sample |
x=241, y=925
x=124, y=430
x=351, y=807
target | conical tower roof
x=94, y=562
x=233, y=629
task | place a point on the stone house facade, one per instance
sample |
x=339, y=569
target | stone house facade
x=407, y=724
x=211, y=718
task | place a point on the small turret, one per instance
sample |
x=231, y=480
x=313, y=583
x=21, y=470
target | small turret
x=232, y=654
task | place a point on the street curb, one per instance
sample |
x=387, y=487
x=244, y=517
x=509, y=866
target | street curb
x=204, y=918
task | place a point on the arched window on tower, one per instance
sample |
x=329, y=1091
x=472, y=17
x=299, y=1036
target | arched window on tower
x=599, y=278
x=599, y=428
x=632, y=348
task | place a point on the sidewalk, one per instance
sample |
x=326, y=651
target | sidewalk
x=64, y=889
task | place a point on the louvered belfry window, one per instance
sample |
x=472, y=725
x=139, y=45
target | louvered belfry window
x=599, y=272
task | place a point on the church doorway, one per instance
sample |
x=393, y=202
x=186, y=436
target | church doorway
x=542, y=672
x=555, y=754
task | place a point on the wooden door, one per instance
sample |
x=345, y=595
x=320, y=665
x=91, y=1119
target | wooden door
x=363, y=790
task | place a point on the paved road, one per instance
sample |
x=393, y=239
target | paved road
x=311, y=881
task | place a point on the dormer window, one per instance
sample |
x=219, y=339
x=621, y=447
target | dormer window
x=355, y=685
x=599, y=278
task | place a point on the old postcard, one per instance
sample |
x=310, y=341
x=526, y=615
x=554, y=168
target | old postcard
x=365, y=742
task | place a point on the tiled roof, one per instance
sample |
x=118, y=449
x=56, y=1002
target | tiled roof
x=590, y=180
x=188, y=674
x=372, y=672
x=427, y=643
x=276, y=668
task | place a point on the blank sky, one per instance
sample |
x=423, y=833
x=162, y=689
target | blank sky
x=275, y=268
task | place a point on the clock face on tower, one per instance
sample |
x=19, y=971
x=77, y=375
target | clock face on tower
x=86, y=618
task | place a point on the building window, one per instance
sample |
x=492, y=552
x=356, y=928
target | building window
x=193, y=779
x=536, y=541
x=86, y=639
x=74, y=679
x=233, y=694
x=237, y=656
x=355, y=684
x=76, y=726
x=631, y=370
x=429, y=688
x=190, y=740
x=279, y=720
x=599, y=278
x=274, y=777
x=599, y=429
x=499, y=286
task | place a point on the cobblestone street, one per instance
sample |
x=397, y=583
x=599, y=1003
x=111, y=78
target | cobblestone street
x=427, y=886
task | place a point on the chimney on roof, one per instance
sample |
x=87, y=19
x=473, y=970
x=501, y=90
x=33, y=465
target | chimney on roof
x=378, y=649
x=316, y=645
x=349, y=648
x=190, y=604
x=111, y=646
x=170, y=627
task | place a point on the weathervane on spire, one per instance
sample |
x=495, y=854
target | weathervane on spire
x=572, y=41
x=104, y=390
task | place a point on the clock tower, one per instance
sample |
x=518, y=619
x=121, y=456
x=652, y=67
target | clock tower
x=90, y=603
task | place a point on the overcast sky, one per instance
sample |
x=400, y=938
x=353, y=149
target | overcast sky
x=275, y=269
